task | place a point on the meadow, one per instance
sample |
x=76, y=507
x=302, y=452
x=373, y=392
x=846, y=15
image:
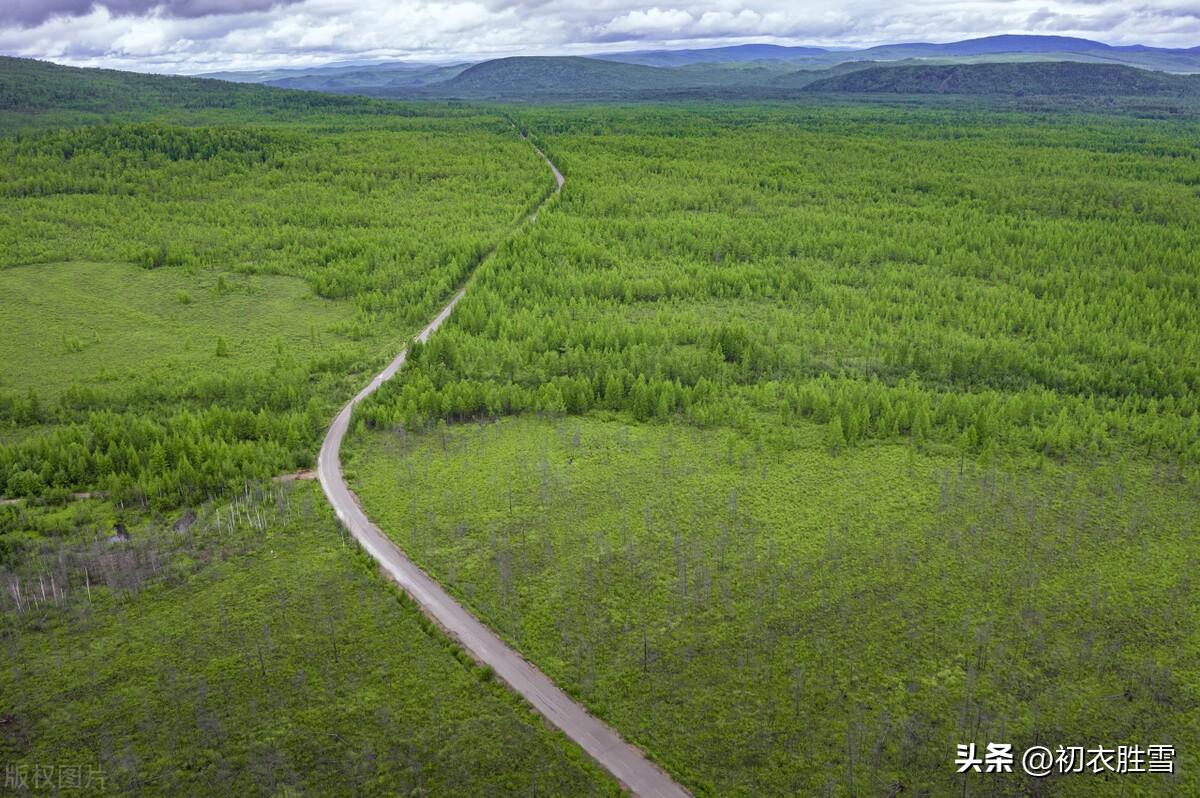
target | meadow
x=113, y=326
x=805, y=444
x=250, y=650
x=785, y=621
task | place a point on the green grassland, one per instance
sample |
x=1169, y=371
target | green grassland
x=262, y=657
x=111, y=326
x=787, y=621
x=831, y=438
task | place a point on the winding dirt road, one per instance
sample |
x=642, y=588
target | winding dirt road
x=626, y=763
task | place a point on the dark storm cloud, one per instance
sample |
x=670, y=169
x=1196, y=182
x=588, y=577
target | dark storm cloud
x=30, y=13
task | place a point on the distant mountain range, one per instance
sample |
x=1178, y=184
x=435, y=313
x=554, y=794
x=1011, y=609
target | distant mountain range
x=559, y=75
x=757, y=69
x=1002, y=66
x=1056, y=48
x=741, y=52
x=990, y=45
x=555, y=78
x=347, y=77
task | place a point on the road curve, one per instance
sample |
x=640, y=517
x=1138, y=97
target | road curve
x=627, y=764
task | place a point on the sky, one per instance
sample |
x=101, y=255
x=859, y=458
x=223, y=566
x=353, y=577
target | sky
x=190, y=36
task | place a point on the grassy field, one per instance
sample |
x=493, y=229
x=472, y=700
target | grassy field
x=790, y=622
x=108, y=326
x=262, y=657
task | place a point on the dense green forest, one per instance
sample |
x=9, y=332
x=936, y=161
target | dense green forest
x=27, y=85
x=760, y=268
x=806, y=444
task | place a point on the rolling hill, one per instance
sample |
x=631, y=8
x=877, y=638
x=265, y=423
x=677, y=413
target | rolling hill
x=1005, y=43
x=991, y=45
x=797, y=79
x=712, y=55
x=28, y=85
x=1049, y=48
x=565, y=77
x=573, y=78
x=1011, y=79
x=369, y=81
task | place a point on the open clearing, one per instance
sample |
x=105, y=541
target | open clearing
x=855, y=613
x=108, y=324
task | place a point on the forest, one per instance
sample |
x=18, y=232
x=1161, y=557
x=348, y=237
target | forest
x=28, y=86
x=754, y=268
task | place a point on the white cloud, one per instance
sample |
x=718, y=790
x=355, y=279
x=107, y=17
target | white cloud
x=651, y=22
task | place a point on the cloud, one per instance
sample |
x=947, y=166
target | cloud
x=674, y=24
x=210, y=35
x=653, y=21
x=30, y=13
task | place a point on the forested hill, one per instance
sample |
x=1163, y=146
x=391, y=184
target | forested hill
x=549, y=76
x=28, y=85
x=1014, y=79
